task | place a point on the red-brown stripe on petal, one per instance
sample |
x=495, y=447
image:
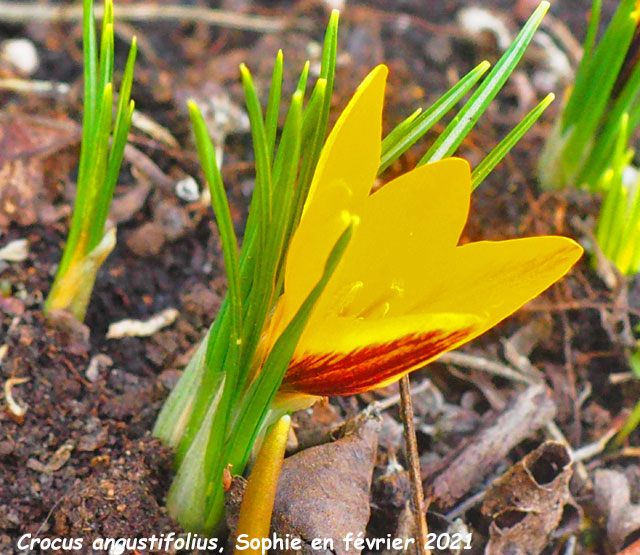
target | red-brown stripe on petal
x=363, y=369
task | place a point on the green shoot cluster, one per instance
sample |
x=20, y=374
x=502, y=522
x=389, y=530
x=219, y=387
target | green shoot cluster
x=103, y=141
x=606, y=86
x=618, y=227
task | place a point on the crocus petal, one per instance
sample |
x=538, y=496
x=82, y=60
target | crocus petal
x=404, y=228
x=350, y=355
x=342, y=181
x=470, y=291
x=494, y=279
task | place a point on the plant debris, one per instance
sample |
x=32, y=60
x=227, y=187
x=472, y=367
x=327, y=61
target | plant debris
x=531, y=501
x=140, y=328
x=323, y=491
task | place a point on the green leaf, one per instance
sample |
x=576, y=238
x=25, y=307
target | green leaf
x=408, y=132
x=273, y=105
x=492, y=159
x=285, y=171
x=592, y=31
x=263, y=186
x=602, y=66
x=207, y=156
x=614, y=206
x=313, y=143
x=600, y=155
x=448, y=142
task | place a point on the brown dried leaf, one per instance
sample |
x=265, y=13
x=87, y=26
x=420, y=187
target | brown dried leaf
x=613, y=499
x=530, y=502
x=25, y=144
x=323, y=492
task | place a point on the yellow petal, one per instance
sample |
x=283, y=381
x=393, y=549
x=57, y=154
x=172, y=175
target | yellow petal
x=494, y=279
x=343, y=179
x=468, y=290
x=404, y=228
x=350, y=355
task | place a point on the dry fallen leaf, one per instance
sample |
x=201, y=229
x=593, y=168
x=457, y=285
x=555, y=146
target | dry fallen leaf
x=612, y=497
x=323, y=492
x=25, y=144
x=531, y=501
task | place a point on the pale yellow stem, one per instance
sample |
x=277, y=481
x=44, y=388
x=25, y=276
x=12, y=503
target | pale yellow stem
x=260, y=494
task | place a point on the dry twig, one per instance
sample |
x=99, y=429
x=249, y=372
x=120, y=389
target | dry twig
x=413, y=459
x=17, y=12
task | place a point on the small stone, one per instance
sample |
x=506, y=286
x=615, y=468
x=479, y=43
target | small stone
x=21, y=55
x=147, y=240
x=97, y=364
x=187, y=189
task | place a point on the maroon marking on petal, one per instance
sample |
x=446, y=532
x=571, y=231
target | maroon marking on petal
x=366, y=368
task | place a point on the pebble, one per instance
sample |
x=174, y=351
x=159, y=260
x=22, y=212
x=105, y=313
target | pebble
x=21, y=55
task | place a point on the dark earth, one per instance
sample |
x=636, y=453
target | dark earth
x=81, y=462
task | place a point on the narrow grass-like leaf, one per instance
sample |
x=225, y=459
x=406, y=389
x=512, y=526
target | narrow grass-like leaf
x=592, y=32
x=89, y=115
x=310, y=123
x=630, y=234
x=492, y=159
x=612, y=204
x=125, y=90
x=260, y=144
x=599, y=157
x=466, y=119
x=285, y=170
x=302, y=80
x=412, y=129
x=206, y=154
x=95, y=179
x=594, y=100
x=601, y=65
x=124, y=113
x=90, y=66
x=105, y=62
x=273, y=105
x=398, y=133
x=323, y=91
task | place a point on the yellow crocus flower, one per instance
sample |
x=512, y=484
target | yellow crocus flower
x=404, y=292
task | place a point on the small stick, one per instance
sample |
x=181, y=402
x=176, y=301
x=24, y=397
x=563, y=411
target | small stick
x=484, y=365
x=14, y=12
x=34, y=86
x=394, y=399
x=411, y=448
